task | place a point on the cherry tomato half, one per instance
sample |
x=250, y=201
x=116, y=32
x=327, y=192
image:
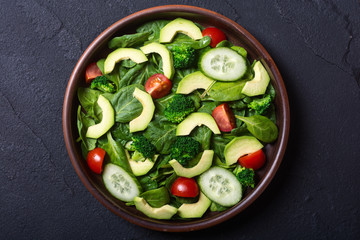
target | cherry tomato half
x=215, y=34
x=224, y=118
x=253, y=160
x=95, y=159
x=92, y=71
x=158, y=86
x=185, y=187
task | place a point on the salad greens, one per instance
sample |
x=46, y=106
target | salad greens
x=255, y=115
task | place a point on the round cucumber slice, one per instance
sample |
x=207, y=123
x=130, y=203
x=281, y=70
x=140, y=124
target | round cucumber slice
x=221, y=186
x=120, y=184
x=223, y=64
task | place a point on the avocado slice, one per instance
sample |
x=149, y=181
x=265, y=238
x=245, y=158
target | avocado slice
x=142, y=121
x=203, y=165
x=107, y=121
x=194, y=120
x=240, y=146
x=194, y=210
x=259, y=83
x=122, y=54
x=166, y=56
x=164, y=212
x=179, y=25
x=140, y=168
x=193, y=81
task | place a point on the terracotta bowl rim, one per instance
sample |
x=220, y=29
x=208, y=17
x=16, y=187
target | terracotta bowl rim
x=196, y=224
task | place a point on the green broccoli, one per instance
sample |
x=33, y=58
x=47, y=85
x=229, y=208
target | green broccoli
x=142, y=148
x=178, y=108
x=184, y=56
x=260, y=105
x=245, y=176
x=184, y=149
x=103, y=84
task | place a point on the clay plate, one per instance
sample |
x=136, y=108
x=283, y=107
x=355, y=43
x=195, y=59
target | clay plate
x=98, y=48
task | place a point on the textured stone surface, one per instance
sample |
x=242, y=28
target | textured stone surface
x=315, y=194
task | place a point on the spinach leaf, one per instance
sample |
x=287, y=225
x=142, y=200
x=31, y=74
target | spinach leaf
x=202, y=134
x=208, y=107
x=88, y=100
x=154, y=28
x=147, y=183
x=156, y=197
x=161, y=133
x=113, y=76
x=184, y=40
x=116, y=152
x=125, y=105
x=129, y=40
x=261, y=127
x=218, y=143
x=214, y=207
x=121, y=132
x=227, y=91
x=83, y=123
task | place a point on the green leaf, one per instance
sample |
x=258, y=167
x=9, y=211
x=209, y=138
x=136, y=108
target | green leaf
x=121, y=132
x=147, y=183
x=161, y=133
x=218, y=143
x=261, y=127
x=214, y=207
x=88, y=100
x=125, y=105
x=202, y=134
x=154, y=28
x=227, y=91
x=157, y=197
x=129, y=40
x=83, y=123
x=116, y=152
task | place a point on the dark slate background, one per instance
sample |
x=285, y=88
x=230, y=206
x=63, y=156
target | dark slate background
x=315, y=194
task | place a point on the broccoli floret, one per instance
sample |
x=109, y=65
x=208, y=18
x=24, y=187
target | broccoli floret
x=245, y=176
x=260, y=105
x=178, y=108
x=142, y=148
x=103, y=84
x=183, y=56
x=184, y=149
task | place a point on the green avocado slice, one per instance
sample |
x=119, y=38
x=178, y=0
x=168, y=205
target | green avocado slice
x=194, y=210
x=141, y=122
x=179, y=25
x=240, y=146
x=107, y=121
x=122, y=54
x=193, y=81
x=164, y=212
x=203, y=165
x=166, y=56
x=259, y=83
x=194, y=120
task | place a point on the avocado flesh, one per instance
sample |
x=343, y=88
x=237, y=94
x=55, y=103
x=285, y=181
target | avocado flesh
x=240, y=146
x=258, y=85
x=107, y=121
x=166, y=56
x=164, y=212
x=140, y=168
x=194, y=120
x=193, y=81
x=203, y=165
x=179, y=25
x=122, y=54
x=194, y=210
x=141, y=122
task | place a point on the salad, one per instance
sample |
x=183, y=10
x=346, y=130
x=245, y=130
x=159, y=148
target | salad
x=175, y=119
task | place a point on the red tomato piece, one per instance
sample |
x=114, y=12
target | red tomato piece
x=253, y=160
x=215, y=34
x=224, y=118
x=185, y=187
x=158, y=86
x=92, y=71
x=95, y=159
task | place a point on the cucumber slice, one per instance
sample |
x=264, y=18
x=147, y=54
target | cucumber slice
x=223, y=64
x=120, y=184
x=221, y=186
